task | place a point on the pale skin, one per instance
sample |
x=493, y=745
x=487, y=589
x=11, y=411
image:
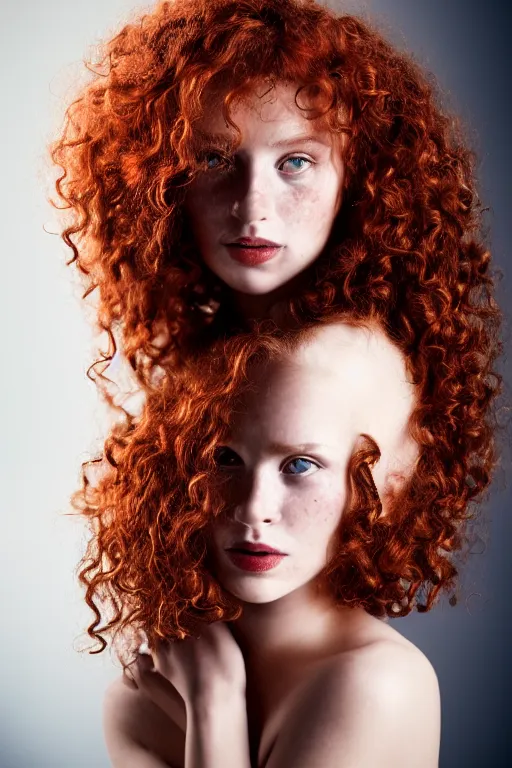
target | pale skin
x=284, y=183
x=295, y=682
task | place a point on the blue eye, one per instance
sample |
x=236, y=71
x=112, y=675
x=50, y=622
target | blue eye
x=301, y=466
x=212, y=156
x=298, y=159
x=214, y=160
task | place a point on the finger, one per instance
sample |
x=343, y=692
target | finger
x=128, y=678
x=160, y=690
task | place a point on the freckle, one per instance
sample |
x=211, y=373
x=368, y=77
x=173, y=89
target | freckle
x=302, y=203
x=310, y=196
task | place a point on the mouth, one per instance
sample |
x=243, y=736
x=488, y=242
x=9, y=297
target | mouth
x=252, y=255
x=254, y=242
x=254, y=562
x=254, y=547
x=243, y=245
x=251, y=552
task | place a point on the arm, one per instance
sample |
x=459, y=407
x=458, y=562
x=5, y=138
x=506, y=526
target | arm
x=131, y=755
x=217, y=733
x=208, y=674
x=136, y=730
x=379, y=708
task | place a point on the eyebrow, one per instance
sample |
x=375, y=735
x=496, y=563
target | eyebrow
x=302, y=138
x=276, y=448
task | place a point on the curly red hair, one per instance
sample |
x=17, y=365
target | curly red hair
x=129, y=147
x=405, y=248
x=147, y=562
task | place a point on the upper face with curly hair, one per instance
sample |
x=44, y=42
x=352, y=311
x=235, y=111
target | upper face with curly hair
x=406, y=237
x=283, y=184
x=289, y=450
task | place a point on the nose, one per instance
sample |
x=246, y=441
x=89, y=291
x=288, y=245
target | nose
x=253, y=195
x=260, y=500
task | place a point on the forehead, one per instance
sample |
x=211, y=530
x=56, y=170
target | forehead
x=342, y=382
x=364, y=368
x=265, y=108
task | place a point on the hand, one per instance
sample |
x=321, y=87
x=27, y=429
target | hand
x=197, y=668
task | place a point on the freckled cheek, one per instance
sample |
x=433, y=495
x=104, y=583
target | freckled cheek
x=304, y=208
x=319, y=511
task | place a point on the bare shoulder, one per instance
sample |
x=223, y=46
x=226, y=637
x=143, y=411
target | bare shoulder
x=131, y=719
x=391, y=670
x=375, y=704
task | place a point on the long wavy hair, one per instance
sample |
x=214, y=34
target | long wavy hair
x=406, y=247
x=147, y=571
x=408, y=229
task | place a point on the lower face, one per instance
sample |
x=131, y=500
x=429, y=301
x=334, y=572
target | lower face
x=292, y=204
x=263, y=579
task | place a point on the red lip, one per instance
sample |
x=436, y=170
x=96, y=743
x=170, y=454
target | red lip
x=254, y=242
x=252, y=255
x=256, y=563
x=253, y=547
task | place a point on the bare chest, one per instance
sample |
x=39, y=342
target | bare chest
x=271, y=696
x=270, y=701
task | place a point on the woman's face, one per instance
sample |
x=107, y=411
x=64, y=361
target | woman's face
x=289, y=450
x=283, y=184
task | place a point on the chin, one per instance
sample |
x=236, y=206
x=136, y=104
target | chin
x=253, y=281
x=258, y=593
x=254, y=284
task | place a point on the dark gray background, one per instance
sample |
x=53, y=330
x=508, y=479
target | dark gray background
x=466, y=44
x=50, y=703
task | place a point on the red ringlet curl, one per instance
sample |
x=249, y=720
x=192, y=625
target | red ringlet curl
x=406, y=248
x=129, y=147
x=147, y=565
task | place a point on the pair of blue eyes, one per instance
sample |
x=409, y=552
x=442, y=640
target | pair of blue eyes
x=224, y=161
x=227, y=459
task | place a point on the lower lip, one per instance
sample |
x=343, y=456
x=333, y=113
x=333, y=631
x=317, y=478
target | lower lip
x=255, y=562
x=251, y=257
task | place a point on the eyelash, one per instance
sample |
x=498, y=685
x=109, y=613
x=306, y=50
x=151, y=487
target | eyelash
x=228, y=162
x=302, y=458
x=288, y=461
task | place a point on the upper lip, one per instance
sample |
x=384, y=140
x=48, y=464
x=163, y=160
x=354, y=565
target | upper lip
x=261, y=547
x=253, y=241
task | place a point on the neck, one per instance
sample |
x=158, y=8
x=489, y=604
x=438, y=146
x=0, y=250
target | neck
x=298, y=626
x=251, y=307
x=267, y=305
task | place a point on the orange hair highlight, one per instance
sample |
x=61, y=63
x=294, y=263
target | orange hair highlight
x=408, y=224
x=405, y=248
x=146, y=564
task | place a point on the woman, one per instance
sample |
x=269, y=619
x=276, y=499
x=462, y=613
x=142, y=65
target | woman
x=169, y=158
x=395, y=231
x=369, y=526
